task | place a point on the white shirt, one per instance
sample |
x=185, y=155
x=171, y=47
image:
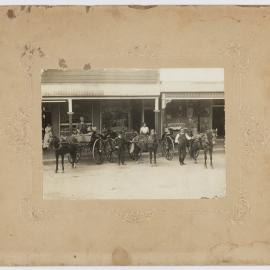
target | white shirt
x=144, y=130
x=177, y=137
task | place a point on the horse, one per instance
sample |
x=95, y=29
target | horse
x=63, y=147
x=145, y=143
x=194, y=147
x=207, y=141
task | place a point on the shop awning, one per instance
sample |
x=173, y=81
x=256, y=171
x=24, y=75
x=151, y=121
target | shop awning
x=194, y=95
x=98, y=90
x=101, y=76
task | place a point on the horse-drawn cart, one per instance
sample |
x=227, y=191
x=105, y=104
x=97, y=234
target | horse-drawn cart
x=168, y=144
x=91, y=144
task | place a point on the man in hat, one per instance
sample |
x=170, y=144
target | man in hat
x=82, y=127
x=120, y=147
x=181, y=139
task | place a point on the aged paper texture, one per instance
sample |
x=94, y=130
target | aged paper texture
x=230, y=230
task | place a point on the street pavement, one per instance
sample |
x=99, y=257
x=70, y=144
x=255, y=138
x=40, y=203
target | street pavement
x=137, y=180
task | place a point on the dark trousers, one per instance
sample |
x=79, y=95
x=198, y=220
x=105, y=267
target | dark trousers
x=182, y=153
x=153, y=152
x=121, y=157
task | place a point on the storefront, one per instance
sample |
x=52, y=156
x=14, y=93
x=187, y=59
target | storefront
x=193, y=98
x=108, y=99
x=122, y=99
x=197, y=115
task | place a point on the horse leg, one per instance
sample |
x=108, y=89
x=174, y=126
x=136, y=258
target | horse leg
x=140, y=155
x=184, y=155
x=205, y=158
x=62, y=159
x=56, y=162
x=155, y=155
x=122, y=157
x=211, y=154
x=119, y=156
x=193, y=154
x=179, y=154
x=73, y=157
x=150, y=155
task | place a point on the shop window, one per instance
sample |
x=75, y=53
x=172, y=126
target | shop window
x=115, y=115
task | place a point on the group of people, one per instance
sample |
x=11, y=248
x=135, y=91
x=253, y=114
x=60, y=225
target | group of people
x=181, y=139
x=83, y=128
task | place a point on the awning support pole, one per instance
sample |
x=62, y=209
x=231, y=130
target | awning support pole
x=70, y=113
x=142, y=111
x=157, y=115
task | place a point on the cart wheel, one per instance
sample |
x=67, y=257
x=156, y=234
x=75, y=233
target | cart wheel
x=99, y=151
x=163, y=147
x=109, y=150
x=169, y=148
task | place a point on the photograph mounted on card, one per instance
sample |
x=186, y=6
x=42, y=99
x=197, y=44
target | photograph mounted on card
x=134, y=135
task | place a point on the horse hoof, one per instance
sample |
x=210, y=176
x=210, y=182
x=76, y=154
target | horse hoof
x=55, y=171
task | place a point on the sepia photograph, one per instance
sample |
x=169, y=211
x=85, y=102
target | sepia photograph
x=133, y=133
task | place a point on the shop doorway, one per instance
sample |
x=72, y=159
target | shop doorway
x=136, y=115
x=218, y=120
x=46, y=118
x=149, y=118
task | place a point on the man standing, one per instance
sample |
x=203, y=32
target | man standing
x=152, y=146
x=120, y=146
x=181, y=139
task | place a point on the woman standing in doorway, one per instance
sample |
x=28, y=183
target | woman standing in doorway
x=47, y=137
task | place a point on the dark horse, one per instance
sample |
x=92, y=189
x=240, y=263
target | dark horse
x=63, y=147
x=194, y=147
x=145, y=143
x=207, y=141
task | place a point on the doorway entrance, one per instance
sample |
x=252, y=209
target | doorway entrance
x=46, y=117
x=149, y=118
x=136, y=114
x=218, y=120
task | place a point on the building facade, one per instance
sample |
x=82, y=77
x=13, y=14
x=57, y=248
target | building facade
x=121, y=99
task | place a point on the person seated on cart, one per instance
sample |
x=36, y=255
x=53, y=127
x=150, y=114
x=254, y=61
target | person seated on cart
x=167, y=132
x=82, y=127
x=90, y=128
x=144, y=130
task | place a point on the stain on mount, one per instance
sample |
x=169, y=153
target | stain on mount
x=120, y=257
x=87, y=66
x=11, y=14
x=62, y=63
x=140, y=7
